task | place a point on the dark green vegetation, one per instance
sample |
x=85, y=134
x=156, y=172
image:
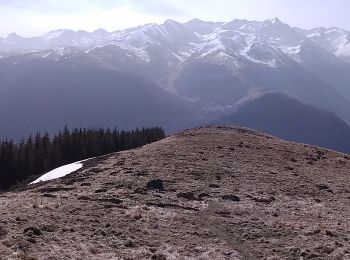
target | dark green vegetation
x=21, y=162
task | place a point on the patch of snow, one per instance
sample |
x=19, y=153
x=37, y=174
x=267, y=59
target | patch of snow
x=245, y=53
x=181, y=57
x=344, y=51
x=314, y=34
x=137, y=36
x=212, y=44
x=274, y=20
x=60, y=172
x=292, y=50
x=131, y=51
x=254, y=93
x=53, y=35
x=159, y=30
x=62, y=51
x=335, y=30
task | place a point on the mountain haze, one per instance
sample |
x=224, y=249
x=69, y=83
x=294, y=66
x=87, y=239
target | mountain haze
x=195, y=72
x=39, y=94
x=292, y=120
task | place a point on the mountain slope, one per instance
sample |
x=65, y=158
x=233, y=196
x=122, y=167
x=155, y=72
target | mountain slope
x=292, y=120
x=245, y=56
x=206, y=68
x=44, y=95
x=334, y=40
x=210, y=193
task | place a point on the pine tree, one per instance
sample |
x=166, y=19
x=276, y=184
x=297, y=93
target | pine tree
x=32, y=157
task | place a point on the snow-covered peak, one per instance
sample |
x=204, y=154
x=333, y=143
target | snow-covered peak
x=274, y=20
x=334, y=40
x=14, y=37
x=237, y=40
x=100, y=32
x=195, y=22
x=335, y=31
x=172, y=23
x=316, y=32
x=53, y=34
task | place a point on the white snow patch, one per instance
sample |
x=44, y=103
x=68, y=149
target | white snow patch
x=293, y=50
x=60, y=172
x=211, y=45
x=273, y=20
x=344, y=51
x=273, y=63
x=335, y=30
x=62, y=51
x=53, y=35
x=314, y=34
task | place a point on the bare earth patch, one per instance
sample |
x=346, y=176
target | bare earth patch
x=208, y=193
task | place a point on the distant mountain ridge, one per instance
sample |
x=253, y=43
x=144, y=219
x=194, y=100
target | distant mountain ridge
x=201, y=70
x=334, y=40
x=165, y=53
x=292, y=120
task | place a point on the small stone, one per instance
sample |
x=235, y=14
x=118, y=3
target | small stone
x=155, y=185
x=330, y=233
x=266, y=200
x=130, y=244
x=100, y=190
x=231, y=197
x=203, y=195
x=3, y=231
x=31, y=240
x=159, y=257
x=32, y=231
x=322, y=186
x=187, y=195
x=142, y=191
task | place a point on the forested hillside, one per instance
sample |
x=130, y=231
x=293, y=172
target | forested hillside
x=23, y=161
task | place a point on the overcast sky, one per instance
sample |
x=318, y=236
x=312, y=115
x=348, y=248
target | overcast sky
x=36, y=17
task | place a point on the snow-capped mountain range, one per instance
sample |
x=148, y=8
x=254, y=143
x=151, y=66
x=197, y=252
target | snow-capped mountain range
x=212, y=66
x=198, y=38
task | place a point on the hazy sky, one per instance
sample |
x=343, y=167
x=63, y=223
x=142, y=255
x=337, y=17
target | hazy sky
x=36, y=17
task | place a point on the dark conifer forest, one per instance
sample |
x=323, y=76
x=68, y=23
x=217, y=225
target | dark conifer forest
x=36, y=155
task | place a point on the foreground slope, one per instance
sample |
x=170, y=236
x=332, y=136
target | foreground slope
x=228, y=193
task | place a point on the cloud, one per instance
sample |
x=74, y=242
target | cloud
x=32, y=17
x=157, y=7
x=160, y=7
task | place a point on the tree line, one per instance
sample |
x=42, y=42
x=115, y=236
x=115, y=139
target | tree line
x=31, y=157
